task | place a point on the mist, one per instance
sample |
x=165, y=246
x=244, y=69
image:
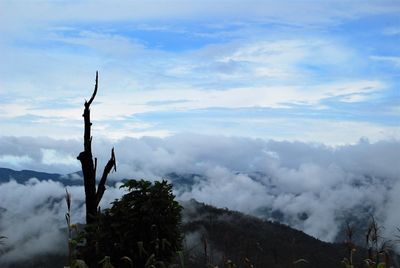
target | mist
x=32, y=217
x=309, y=186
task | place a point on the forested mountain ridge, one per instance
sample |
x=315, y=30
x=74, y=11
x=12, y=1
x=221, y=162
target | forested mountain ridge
x=245, y=240
x=22, y=176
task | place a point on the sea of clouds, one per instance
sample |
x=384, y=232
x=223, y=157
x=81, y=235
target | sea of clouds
x=309, y=186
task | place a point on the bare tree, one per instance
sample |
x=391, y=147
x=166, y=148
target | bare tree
x=93, y=195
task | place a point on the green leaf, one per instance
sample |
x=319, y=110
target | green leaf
x=181, y=258
x=128, y=260
x=150, y=260
x=79, y=264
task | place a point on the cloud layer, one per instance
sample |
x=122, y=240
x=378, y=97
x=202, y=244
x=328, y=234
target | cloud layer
x=32, y=216
x=310, y=186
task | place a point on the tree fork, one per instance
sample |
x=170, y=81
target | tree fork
x=92, y=197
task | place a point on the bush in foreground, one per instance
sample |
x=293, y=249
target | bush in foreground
x=143, y=225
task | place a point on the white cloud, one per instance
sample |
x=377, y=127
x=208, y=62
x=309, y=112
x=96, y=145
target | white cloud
x=110, y=45
x=47, y=76
x=323, y=184
x=391, y=31
x=32, y=217
x=390, y=59
x=53, y=157
x=341, y=132
x=291, y=12
x=15, y=161
x=113, y=106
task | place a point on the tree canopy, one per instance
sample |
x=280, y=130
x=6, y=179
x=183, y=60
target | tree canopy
x=143, y=225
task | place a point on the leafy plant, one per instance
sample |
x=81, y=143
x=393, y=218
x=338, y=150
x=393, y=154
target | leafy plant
x=378, y=249
x=73, y=262
x=348, y=261
x=69, y=226
x=144, y=225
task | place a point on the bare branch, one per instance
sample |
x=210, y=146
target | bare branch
x=87, y=104
x=86, y=159
x=107, y=169
x=95, y=166
x=113, y=157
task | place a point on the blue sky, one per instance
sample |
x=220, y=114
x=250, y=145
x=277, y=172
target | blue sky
x=314, y=71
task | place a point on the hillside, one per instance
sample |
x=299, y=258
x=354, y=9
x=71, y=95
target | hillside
x=235, y=236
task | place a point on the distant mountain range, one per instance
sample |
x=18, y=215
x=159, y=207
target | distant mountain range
x=182, y=181
x=23, y=176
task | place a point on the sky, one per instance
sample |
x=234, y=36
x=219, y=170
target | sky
x=314, y=71
x=275, y=106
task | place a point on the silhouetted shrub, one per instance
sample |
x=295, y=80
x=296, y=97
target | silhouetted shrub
x=143, y=225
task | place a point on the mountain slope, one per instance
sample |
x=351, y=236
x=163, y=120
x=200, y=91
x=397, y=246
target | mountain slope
x=24, y=175
x=235, y=236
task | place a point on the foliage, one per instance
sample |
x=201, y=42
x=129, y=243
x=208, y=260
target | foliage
x=143, y=225
x=73, y=241
x=378, y=250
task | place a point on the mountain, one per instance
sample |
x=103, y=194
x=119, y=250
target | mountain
x=23, y=176
x=245, y=240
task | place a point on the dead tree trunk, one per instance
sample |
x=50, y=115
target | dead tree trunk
x=89, y=166
x=92, y=196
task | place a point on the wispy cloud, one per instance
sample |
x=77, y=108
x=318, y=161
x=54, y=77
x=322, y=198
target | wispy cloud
x=390, y=59
x=392, y=31
x=194, y=58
